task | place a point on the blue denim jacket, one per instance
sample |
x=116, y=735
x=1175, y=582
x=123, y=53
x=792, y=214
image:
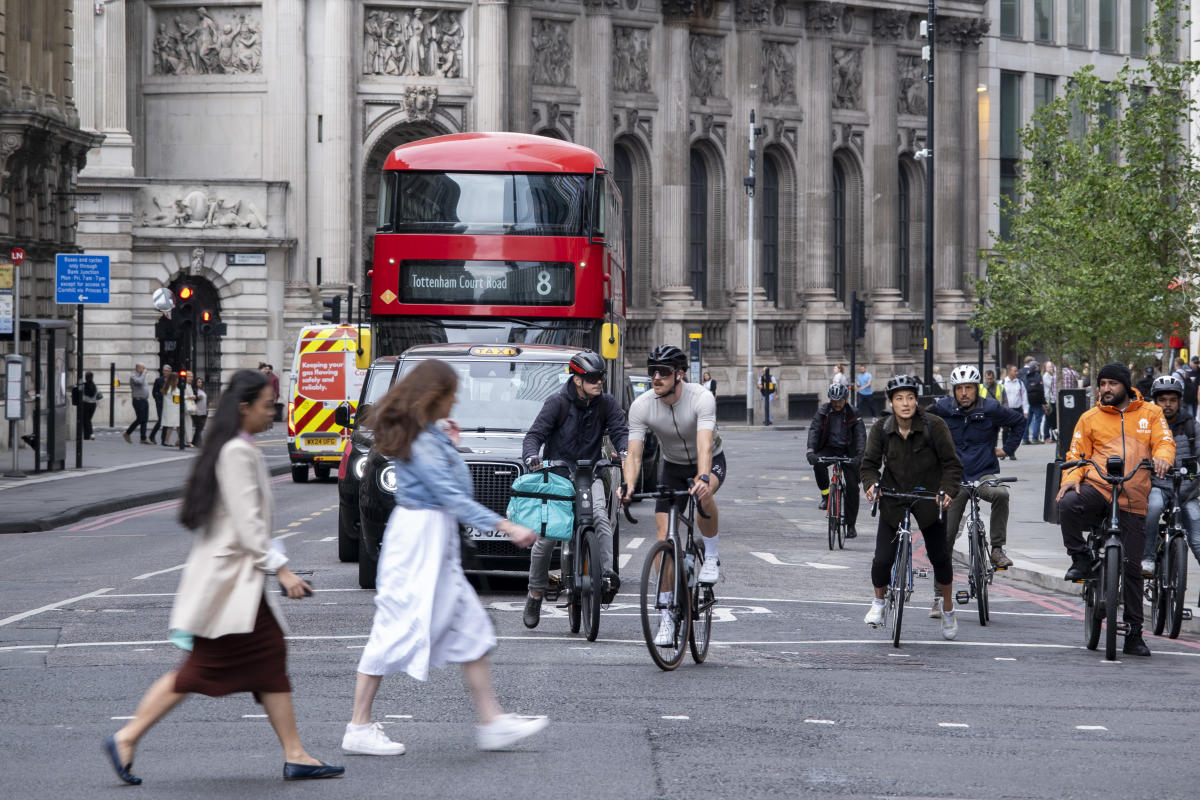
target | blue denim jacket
x=436, y=477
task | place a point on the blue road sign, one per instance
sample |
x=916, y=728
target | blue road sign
x=80, y=278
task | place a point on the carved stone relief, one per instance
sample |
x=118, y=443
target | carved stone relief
x=552, y=52
x=199, y=208
x=708, y=8
x=630, y=120
x=420, y=102
x=890, y=24
x=708, y=127
x=961, y=31
x=847, y=77
x=708, y=67
x=413, y=42
x=910, y=89
x=786, y=131
x=779, y=13
x=752, y=13
x=631, y=59
x=195, y=41
x=847, y=135
x=822, y=17
x=551, y=115
x=597, y=5
x=678, y=9
x=779, y=74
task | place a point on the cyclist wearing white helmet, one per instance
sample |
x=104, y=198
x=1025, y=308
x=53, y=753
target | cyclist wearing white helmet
x=974, y=422
x=838, y=430
x=1168, y=391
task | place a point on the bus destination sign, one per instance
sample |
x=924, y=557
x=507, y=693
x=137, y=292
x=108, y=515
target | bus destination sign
x=493, y=283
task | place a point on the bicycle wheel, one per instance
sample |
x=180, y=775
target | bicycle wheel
x=1176, y=587
x=899, y=587
x=1156, y=586
x=1091, y=615
x=701, y=613
x=659, y=576
x=831, y=516
x=591, y=587
x=841, y=517
x=1112, y=596
x=977, y=575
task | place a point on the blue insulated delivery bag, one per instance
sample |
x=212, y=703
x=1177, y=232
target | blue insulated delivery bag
x=545, y=503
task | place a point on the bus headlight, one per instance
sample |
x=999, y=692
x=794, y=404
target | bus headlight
x=387, y=479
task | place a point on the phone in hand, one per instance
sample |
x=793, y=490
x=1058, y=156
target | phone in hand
x=304, y=575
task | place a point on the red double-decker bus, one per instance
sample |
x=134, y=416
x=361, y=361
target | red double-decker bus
x=497, y=237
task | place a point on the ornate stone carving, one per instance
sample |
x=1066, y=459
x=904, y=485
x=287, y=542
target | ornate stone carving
x=708, y=8
x=631, y=59
x=961, y=31
x=709, y=127
x=630, y=120
x=785, y=132
x=708, y=67
x=889, y=24
x=910, y=88
x=200, y=209
x=600, y=5
x=847, y=77
x=552, y=52
x=413, y=42
x=778, y=74
x=847, y=135
x=678, y=9
x=779, y=13
x=752, y=13
x=823, y=17
x=199, y=42
x=848, y=20
x=420, y=102
x=556, y=118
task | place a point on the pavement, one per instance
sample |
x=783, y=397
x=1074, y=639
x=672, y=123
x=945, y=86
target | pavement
x=115, y=476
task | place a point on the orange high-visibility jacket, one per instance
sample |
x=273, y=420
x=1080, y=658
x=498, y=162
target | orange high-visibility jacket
x=1140, y=431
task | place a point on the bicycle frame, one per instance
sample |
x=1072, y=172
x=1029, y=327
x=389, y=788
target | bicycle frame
x=836, y=508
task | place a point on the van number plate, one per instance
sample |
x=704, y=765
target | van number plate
x=476, y=533
x=321, y=441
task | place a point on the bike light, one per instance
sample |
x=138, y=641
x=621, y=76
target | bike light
x=1115, y=466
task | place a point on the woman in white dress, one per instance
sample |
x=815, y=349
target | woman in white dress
x=426, y=613
x=170, y=411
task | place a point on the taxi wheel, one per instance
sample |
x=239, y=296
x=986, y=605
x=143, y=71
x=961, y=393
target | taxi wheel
x=300, y=473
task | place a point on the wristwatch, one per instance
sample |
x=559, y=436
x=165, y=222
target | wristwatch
x=703, y=477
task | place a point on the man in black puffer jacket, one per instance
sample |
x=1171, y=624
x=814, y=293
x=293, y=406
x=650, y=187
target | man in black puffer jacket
x=838, y=430
x=570, y=427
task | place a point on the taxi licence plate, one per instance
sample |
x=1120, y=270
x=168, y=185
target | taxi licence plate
x=321, y=441
x=476, y=533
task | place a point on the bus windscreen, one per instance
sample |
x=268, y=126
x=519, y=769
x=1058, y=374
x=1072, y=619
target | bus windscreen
x=487, y=203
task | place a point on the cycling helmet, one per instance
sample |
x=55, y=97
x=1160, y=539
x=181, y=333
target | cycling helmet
x=586, y=363
x=965, y=373
x=899, y=382
x=667, y=355
x=1164, y=384
x=838, y=391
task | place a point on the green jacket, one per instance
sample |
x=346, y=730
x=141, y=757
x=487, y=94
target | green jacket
x=926, y=459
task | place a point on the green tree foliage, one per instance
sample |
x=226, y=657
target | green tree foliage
x=1103, y=253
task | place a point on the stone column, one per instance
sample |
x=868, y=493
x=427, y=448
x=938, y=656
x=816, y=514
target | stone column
x=84, y=63
x=817, y=168
x=948, y=173
x=520, y=66
x=969, y=103
x=671, y=212
x=595, y=81
x=102, y=77
x=337, y=165
x=286, y=120
x=881, y=178
x=491, y=71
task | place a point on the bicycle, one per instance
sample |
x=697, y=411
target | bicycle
x=582, y=578
x=691, y=602
x=1102, y=588
x=979, y=566
x=900, y=587
x=1166, y=588
x=836, y=511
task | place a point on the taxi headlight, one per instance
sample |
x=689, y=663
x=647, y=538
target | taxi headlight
x=387, y=479
x=358, y=465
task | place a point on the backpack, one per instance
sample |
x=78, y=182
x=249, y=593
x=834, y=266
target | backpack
x=545, y=503
x=76, y=395
x=1035, y=388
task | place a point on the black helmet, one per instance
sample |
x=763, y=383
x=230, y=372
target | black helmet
x=667, y=355
x=1164, y=384
x=838, y=391
x=902, y=382
x=587, y=363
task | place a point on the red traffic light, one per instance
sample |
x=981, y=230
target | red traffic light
x=186, y=292
x=206, y=316
x=183, y=374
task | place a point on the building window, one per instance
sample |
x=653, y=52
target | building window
x=839, y=231
x=1043, y=90
x=1010, y=19
x=1010, y=142
x=1077, y=23
x=903, y=265
x=1139, y=18
x=770, y=229
x=1043, y=20
x=623, y=174
x=698, y=229
x=1108, y=25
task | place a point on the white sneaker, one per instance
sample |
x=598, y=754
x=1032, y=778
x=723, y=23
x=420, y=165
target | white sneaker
x=370, y=741
x=666, y=631
x=506, y=730
x=949, y=625
x=936, y=610
x=710, y=571
x=874, y=617
x=1147, y=567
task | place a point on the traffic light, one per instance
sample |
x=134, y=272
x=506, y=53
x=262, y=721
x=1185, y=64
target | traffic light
x=185, y=309
x=206, y=322
x=858, y=317
x=334, y=314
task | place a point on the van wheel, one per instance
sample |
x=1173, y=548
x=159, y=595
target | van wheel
x=300, y=473
x=322, y=473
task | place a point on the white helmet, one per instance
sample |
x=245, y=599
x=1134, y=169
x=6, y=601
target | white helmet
x=965, y=373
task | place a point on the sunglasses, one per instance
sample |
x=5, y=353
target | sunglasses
x=595, y=378
x=658, y=370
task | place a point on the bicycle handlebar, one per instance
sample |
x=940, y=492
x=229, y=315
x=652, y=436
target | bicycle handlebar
x=988, y=482
x=835, y=459
x=914, y=497
x=661, y=493
x=1112, y=480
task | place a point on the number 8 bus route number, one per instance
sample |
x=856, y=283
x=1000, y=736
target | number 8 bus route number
x=543, y=283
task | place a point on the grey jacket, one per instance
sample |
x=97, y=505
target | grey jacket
x=138, y=390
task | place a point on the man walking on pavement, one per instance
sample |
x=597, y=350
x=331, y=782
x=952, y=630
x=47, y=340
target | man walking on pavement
x=1015, y=395
x=159, y=383
x=139, y=395
x=1035, y=393
x=273, y=379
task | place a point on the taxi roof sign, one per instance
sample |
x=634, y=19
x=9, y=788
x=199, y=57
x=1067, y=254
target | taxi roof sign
x=495, y=351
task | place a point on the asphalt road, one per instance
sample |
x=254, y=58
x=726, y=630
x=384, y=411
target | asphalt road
x=798, y=698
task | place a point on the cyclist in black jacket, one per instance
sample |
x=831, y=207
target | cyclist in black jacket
x=571, y=427
x=838, y=430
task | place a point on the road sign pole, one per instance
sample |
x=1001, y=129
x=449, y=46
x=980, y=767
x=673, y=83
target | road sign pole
x=79, y=383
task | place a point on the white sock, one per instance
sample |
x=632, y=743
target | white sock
x=710, y=547
x=350, y=726
x=877, y=602
x=665, y=597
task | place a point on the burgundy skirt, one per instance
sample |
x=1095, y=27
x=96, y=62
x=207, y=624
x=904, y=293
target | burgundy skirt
x=240, y=662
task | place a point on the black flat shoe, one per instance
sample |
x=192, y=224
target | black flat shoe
x=303, y=772
x=123, y=771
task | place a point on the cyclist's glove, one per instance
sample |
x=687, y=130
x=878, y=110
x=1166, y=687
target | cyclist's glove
x=812, y=458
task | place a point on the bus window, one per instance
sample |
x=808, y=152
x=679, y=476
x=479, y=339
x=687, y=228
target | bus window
x=387, y=201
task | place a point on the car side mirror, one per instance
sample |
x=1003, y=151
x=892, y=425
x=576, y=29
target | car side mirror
x=1115, y=466
x=341, y=416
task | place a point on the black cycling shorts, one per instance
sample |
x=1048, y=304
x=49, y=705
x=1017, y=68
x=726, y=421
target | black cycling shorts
x=676, y=477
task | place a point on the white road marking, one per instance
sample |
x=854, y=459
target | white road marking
x=398, y=716
x=1004, y=658
x=676, y=716
x=102, y=535
x=820, y=722
x=897, y=655
x=51, y=607
x=624, y=560
x=254, y=716
x=1090, y=728
x=116, y=611
x=773, y=560
x=819, y=565
x=326, y=539
x=635, y=543
x=145, y=575
x=306, y=519
x=143, y=649
x=120, y=717
x=953, y=725
x=293, y=524
x=579, y=648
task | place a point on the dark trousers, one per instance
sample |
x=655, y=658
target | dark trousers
x=157, y=422
x=141, y=411
x=850, y=482
x=766, y=409
x=198, y=423
x=1078, y=512
x=935, y=546
x=87, y=411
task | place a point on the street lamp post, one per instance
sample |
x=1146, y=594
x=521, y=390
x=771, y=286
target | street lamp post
x=749, y=184
x=927, y=52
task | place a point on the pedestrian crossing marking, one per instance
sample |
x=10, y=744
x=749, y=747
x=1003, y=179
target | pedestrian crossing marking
x=635, y=543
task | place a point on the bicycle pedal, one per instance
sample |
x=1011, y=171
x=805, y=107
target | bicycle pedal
x=922, y=573
x=563, y=605
x=1123, y=628
x=962, y=597
x=999, y=569
x=1187, y=613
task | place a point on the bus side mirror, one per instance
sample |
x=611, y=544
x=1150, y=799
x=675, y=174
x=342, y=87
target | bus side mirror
x=610, y=341
x=362, y=353
x=341, y=416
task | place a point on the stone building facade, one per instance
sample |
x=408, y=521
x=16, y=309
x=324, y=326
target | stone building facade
x=243, y=141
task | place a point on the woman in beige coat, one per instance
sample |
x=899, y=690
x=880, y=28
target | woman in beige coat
x=225, y=612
